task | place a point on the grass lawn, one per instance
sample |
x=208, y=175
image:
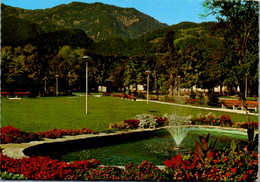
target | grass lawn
x=46, y=113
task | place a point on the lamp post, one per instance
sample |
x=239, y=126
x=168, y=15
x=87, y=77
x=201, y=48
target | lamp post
x=57, y=85
x=246, y=87
x=148, y=78
x=179, y=80
x=45, y=89
x=86, y=58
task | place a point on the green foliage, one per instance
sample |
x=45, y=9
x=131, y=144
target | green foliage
x=240, y=20
x=213, y=99
x=146, y=121
x=201, y=99
x=10, y=176
x=16, y=31
x=192, y=94
x=205, y=149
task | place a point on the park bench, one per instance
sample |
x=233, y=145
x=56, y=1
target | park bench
x=252, y=105
x=106, y=94
x=130, y=97
x=21, y=94
x=5, y=94
x=232, y=103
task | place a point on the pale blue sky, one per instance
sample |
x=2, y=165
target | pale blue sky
x=165, y=11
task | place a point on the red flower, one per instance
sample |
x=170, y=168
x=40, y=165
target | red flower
x=240, y=164
x=225, y=159
x=250, y=171
x=215, y=161
x=245, y=176
x=228, y=174
x=233, y=170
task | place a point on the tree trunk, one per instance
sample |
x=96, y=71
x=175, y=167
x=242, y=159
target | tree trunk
x=242, y=91
x=171, y=85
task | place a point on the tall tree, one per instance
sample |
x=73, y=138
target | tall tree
x=170, y=59
x=240, y=18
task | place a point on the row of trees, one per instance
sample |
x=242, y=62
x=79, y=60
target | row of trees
x=207, y=61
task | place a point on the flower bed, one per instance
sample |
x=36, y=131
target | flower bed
x=57, y=133
x=106, y=94
x=191, y=101
x=223, y=165
x=10, y=134
x=210, y=119
x=142, y=121
x=154, y=121
x=239, y=163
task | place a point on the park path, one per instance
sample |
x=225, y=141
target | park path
x=198, y=107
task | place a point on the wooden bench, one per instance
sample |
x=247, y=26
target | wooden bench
x=252, y=105
x=106, y=94
x=130, y=97
x=232, y=103
x=5, y=94
x=21, y=94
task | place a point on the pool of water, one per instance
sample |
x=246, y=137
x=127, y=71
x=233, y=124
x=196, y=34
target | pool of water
x=155, y=149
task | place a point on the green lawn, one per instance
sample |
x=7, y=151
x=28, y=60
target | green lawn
x=46, y=113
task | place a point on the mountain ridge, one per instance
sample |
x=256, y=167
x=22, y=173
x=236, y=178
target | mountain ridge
x=99, y=21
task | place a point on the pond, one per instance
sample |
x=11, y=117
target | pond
x=155, y=149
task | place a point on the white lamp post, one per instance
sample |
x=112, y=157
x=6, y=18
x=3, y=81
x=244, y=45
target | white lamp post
x=246, y=87
x=86, y=58
x=45, y=89
x=57, y=85
x=148, y=78
x=179, y=80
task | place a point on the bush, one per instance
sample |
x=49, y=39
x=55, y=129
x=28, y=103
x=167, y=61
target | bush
x=175, y=120
x=211, y=119
x=146, y=171
x=11, y=176
x=133, y=123
x=213, y=99
x=57, y=133
x=10, y=134
x=146, y=121
x=161, y=121
x=224, y=165
x=246, y=125
x=192, y=95
x=201, y=99
x=45, y=168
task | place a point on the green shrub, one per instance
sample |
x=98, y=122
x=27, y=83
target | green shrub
x=192, y=95
x=11, y=176
x=201, y=99
x=146, y=121
x=213, y=99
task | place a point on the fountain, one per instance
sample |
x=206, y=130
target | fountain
x=178, y=134
x=176, y=130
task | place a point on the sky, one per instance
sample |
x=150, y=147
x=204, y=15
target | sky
x=166, y=11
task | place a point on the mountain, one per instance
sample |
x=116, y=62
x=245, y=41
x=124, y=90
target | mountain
x=99, y=21
x=16, y=31
x=206, y=36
